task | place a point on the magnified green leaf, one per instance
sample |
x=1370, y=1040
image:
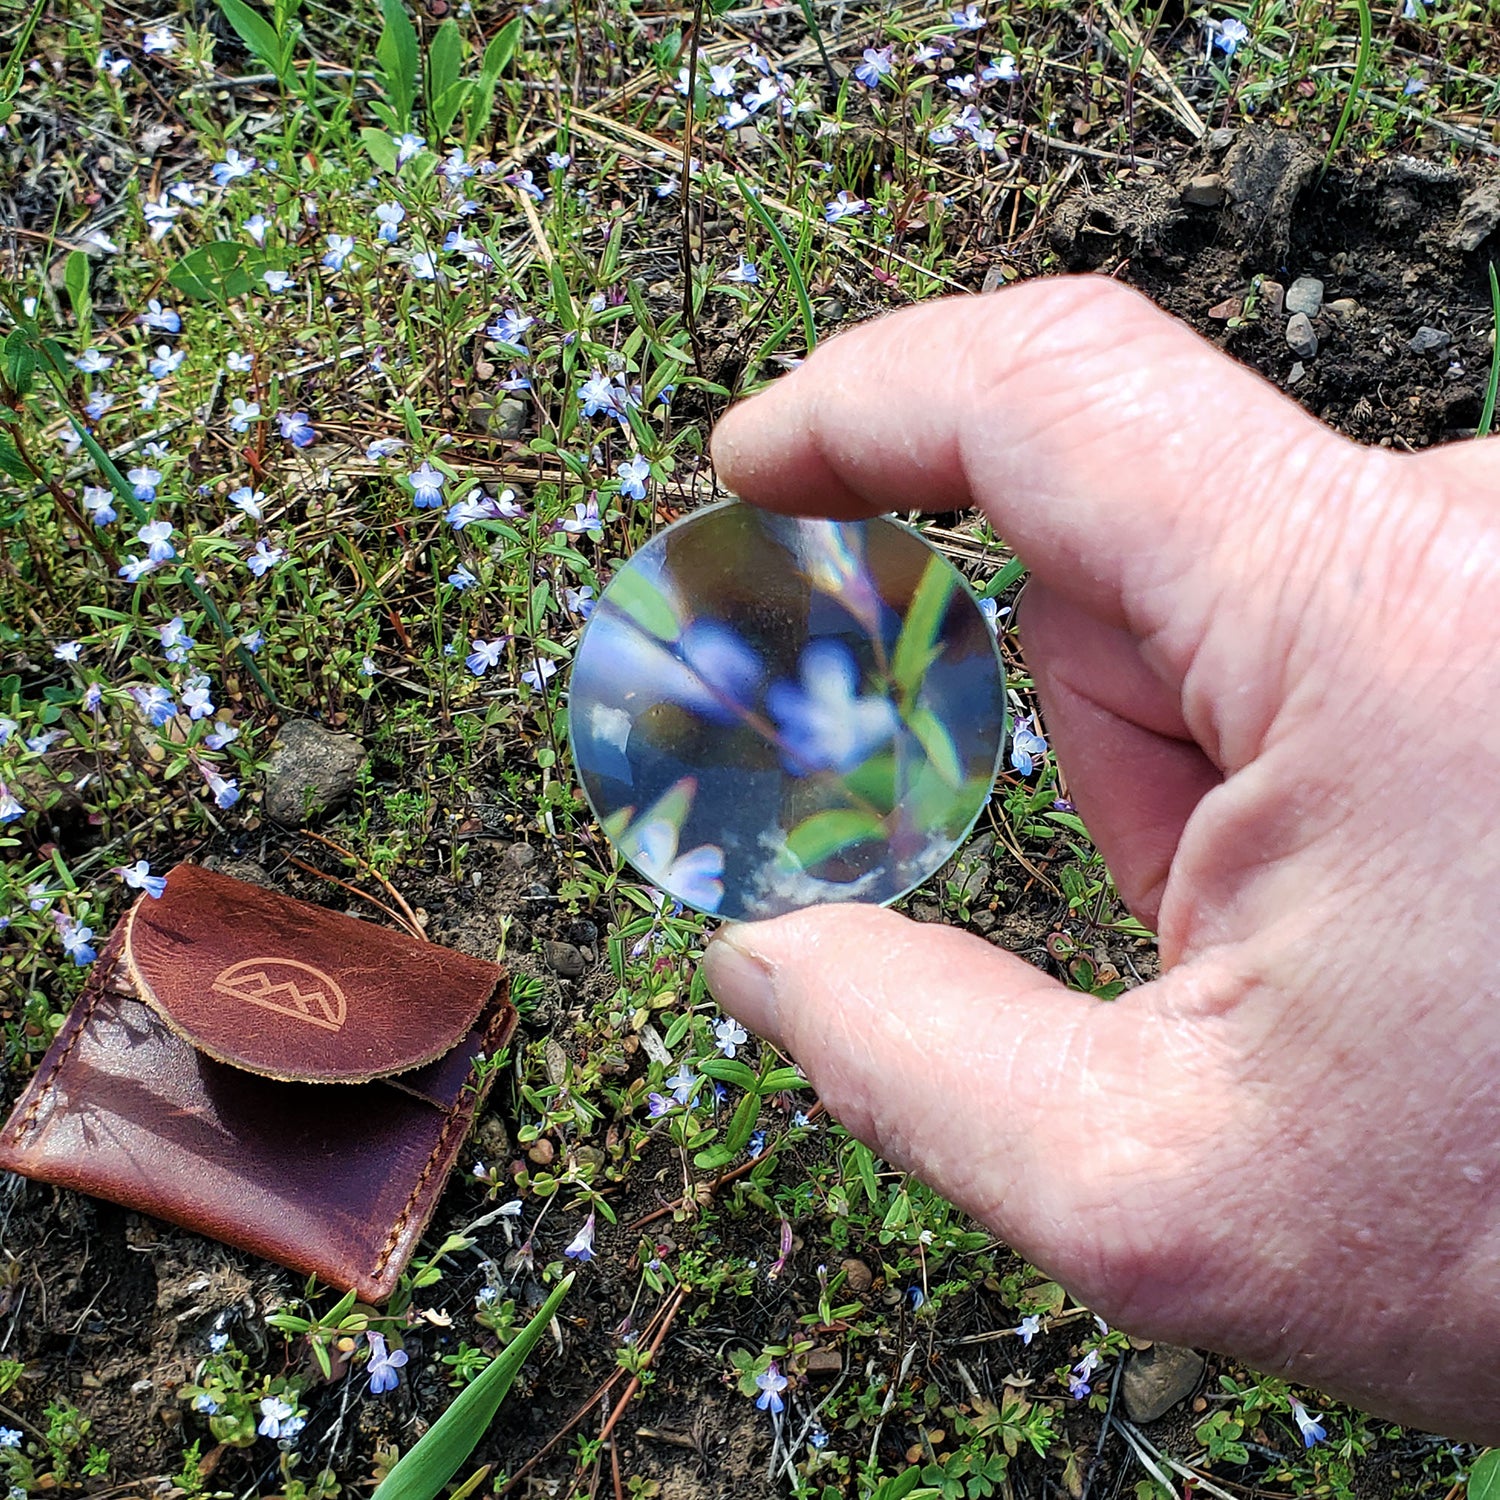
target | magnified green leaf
x=916, y=647
x=826, y=833
x=646, y=604
x=423, y=1472
x=938, y=744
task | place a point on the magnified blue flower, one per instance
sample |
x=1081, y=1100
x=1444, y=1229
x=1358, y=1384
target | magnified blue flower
x=1228, y=35
x=1026, y=747
x=341, y=246
x=166, y=361
x=824, y=722
x=696, y=877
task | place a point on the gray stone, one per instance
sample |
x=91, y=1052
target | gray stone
x=309, y=771
x=564, y=959
x=1296, y=374
x=1300, y=338
x=520, y=856
x=1272, y=297
x=1156, y=1379
x=510, y=418
x=1207, y=191
x=1430, y=341
x=1222, y=139
x=971, y=870
x=1305, y=295
x=983, y=921
x=1478, y=215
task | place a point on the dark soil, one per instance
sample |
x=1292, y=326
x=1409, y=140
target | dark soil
x=1398, y=240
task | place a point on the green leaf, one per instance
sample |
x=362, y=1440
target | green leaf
x=20, y=362
x=397, y=58
x=446, y=106
x=497, y=55
x=814, y=839
x=256, y=33
x=742, y=1126
x=781, y=1078
x=422, y=1473
x=645, y=604
x=727, y=1070
x=1484, y=1477
x=379, y=147
x=938, y=744
x=714, y=1158
x=76, y=280
x=443, y=59
x=12, y=463
x=916, y=647
x=217, y=271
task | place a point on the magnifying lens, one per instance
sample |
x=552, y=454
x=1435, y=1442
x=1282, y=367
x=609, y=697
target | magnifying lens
x=768, y=712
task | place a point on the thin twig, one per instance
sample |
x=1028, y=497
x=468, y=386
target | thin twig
x=416, y=927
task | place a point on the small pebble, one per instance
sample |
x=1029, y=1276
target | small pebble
x=1300, y=338
x=858, y=1277
x=1273, y=297
x=1342, y=307
x=564, y=959
x=1205, y=192
x=1305, y=295
x=1430, y=341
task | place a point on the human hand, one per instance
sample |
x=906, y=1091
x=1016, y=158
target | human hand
x=1268, y=662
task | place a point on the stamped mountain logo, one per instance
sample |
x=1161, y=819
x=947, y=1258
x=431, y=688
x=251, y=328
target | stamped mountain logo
x=288, y=987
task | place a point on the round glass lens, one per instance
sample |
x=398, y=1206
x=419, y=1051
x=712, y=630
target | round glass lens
x=768, y=712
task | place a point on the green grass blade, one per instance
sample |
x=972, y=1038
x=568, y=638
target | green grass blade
x=916, y=646
x=784, y=250
x=423, y=1472
x=1487, y=416
x=1356, y=83
x=397, y=54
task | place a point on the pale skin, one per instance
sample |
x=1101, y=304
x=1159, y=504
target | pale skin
x=1269, y=664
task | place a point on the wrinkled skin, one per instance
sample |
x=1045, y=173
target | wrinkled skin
x=1268, y=663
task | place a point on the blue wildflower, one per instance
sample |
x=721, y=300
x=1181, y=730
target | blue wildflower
x=384, y=1367
x=75, y=941
x=461, y=578
x=10, y=809
x=633, y=475
x=771, y=1383
x=1026, y=746
x=143, y=482
x=1312, y=1430
x=139, y=878
x=582, y=1246
x=157, y=539
x=485, y=654
x=264, y=558
x=877, y=64
x=232, y=168
x=296, y=428
x=99, y=502
x=427, y=486
x=166, y=361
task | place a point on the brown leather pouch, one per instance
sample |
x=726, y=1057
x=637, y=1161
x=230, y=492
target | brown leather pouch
x=279, y=1077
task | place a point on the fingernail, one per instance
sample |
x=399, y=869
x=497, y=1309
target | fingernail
x=741, y=983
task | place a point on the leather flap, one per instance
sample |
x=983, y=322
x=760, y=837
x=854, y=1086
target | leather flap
x=290, y=991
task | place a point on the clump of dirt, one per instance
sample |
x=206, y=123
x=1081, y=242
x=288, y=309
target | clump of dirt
x=1402, y=248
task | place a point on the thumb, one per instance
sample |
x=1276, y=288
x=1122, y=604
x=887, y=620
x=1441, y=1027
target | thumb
x=1070, y=1126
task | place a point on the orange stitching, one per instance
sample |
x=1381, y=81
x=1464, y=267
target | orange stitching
x=99, y=983
x=498, y=1026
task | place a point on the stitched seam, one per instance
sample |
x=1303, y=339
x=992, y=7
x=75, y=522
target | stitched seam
x=460, y=1115
x=44, y=1088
